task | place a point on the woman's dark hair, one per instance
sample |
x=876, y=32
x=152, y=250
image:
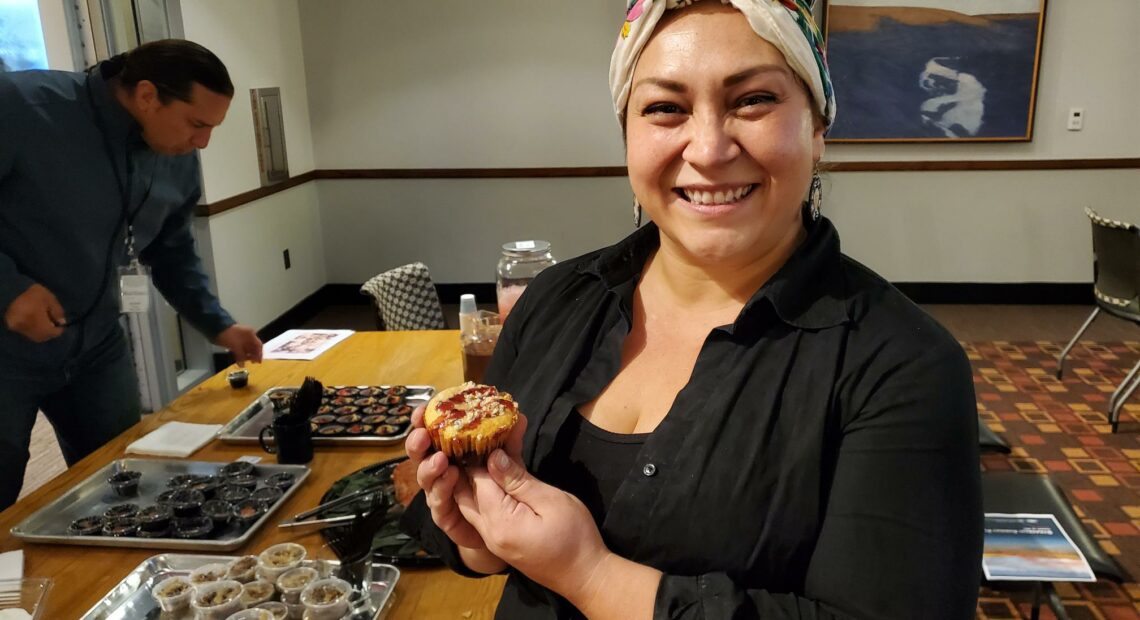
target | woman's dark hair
x=173, y=66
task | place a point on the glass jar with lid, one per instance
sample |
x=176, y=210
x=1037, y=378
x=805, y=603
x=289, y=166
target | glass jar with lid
x=520, y=263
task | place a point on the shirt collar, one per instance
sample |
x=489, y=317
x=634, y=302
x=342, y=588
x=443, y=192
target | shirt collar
x=115, y=121
x=807, y=292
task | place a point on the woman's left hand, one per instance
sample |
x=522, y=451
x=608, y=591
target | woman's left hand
x=542, y=531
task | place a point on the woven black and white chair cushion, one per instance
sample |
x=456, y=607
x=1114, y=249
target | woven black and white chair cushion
x=406, y=298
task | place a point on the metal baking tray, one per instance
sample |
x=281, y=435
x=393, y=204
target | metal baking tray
x=93, y=496
x=259, y=414
x=131, y=599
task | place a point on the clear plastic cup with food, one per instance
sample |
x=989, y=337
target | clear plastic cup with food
x=173, y=594
x=275, y=560
x=217, y=601
x=208, y=573
x=294, y=580
x=326, y=599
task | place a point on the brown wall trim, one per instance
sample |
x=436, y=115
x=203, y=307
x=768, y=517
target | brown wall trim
x=973, y=165
x=620, y=171
x=472, y=173
x=226, y=204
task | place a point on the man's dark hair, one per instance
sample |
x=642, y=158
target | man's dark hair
x=173, y=66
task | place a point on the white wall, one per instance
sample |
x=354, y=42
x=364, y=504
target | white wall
x=977, y=226
x=246, y=244
x=260, y=42
x=453, y=84
x=438, y=84
x=457, y=226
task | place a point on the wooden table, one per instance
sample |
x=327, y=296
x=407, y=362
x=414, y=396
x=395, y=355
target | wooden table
x=83, y=575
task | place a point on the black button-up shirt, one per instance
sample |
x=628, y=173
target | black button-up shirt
x=822, y=461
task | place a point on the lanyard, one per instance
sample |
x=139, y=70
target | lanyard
x=127, y=215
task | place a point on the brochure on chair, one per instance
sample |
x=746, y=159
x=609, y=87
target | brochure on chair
x=303, y=344
x=1031, y=547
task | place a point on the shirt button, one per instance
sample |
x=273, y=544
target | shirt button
x=649, y=470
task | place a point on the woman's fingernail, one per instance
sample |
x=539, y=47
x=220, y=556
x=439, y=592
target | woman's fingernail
x=501, y=460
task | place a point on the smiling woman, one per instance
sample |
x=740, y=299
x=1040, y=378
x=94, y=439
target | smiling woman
x=723, y=416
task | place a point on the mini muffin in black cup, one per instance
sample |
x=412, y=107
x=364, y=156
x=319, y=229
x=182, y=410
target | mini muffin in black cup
x=121, y=527
x=163, y=498
x=125, y=483
x=220, y=511
x=121, y=510
x=401, y=410
x=237, y=468
x=282, y=480
x=246, y=512
x=351, y=418
x=208, y=485
x=267, y=495
x=232, y=493
x=155, y=518
x=163, y=533
x=86, y=526
x=183, y=480
x=245, y=481
x=281, y=401
x=192, y=527
x=238, y=378
x=187, y=503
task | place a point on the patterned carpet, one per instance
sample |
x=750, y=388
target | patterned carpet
x=1061, y=428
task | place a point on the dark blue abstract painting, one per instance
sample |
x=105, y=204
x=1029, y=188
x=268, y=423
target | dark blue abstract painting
x=934, y=70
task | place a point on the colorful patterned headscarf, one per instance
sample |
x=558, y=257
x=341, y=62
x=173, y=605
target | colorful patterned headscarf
x=786, y=24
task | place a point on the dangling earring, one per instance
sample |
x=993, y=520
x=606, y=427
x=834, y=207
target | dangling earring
x=815, y=197
x=636, y=213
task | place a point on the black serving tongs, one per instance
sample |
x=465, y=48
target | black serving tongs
x=302, y=518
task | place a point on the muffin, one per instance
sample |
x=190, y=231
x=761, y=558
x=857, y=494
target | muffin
x=86, y=526
x=467, y=422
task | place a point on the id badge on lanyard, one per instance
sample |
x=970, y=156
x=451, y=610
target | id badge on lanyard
x=134, y=280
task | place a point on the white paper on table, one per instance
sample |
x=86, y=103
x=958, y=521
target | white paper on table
x=11, y=572
x=12, y=565
x=175, y=439
x=303, y=344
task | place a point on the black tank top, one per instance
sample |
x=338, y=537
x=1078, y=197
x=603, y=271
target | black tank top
x=591, y=462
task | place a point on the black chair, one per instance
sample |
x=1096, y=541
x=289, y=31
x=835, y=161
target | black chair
x=406, y=299
x=989, y=441
x=1012, y=492
x=1116, y=286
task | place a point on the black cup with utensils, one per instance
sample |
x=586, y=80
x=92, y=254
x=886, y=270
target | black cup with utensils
x=290, y=430
x=353, y=545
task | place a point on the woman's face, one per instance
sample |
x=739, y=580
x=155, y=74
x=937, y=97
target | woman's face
x=721, y=138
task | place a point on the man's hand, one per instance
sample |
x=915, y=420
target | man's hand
x=242, y=341
x=36, y=315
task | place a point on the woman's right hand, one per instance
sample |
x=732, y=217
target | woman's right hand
x=439, y=479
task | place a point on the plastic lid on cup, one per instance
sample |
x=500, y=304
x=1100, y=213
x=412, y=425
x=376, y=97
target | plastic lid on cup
x=467, y=304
